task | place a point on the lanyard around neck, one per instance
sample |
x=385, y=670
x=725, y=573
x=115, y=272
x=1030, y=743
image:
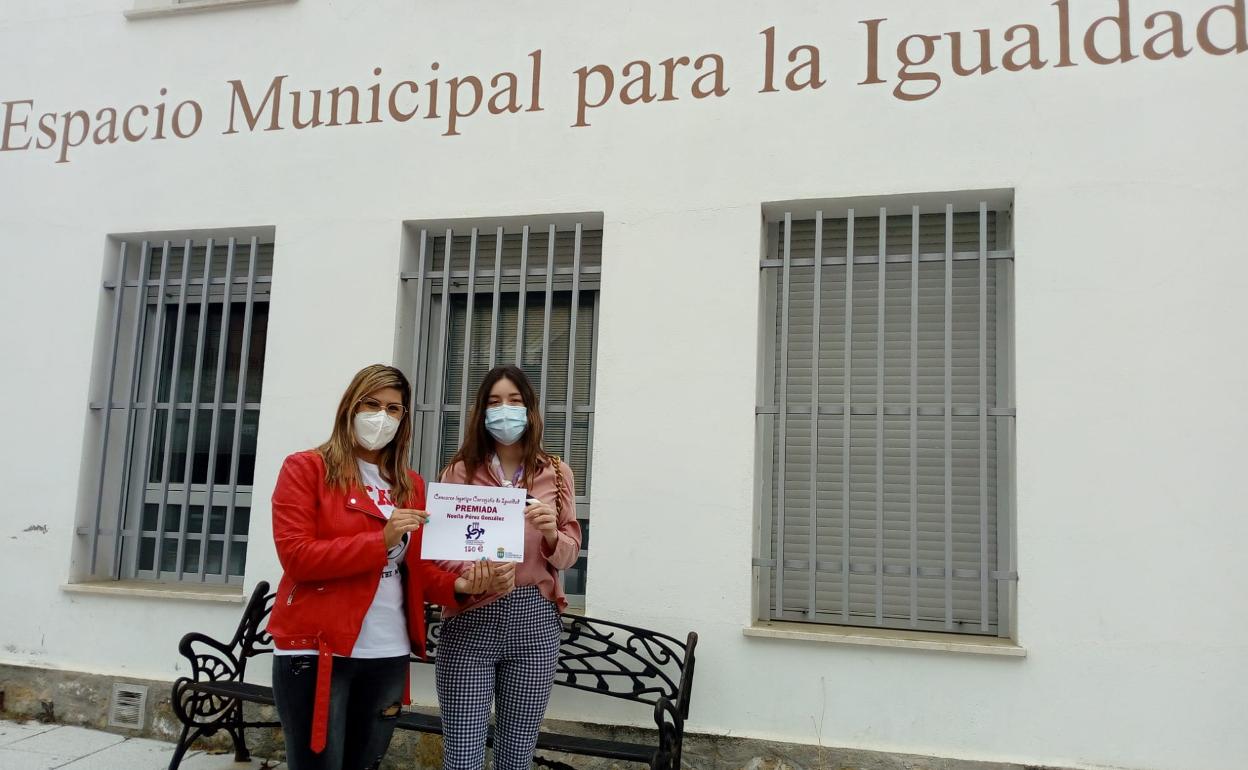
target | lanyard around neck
x=497, y=466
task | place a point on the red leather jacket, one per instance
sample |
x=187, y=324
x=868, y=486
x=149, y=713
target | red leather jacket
x=332, y=550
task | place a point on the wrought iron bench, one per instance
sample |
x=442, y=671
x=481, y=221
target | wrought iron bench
x=597, y=656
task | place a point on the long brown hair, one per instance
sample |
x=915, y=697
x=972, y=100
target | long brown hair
x=339, y=451
x=479, y=444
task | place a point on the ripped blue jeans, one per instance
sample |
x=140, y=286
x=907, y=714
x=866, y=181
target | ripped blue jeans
x=364, y=699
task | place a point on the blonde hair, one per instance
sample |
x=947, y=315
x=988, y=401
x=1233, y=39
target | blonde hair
x=339, y=451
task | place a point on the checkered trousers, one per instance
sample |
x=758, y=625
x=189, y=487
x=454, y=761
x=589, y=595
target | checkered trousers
x=504, y=652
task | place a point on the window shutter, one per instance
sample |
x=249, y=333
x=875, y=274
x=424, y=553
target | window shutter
x=875, y=548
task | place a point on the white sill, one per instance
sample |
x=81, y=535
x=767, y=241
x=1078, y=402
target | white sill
x=148, y=10
x=143, y=589
x=878, y=637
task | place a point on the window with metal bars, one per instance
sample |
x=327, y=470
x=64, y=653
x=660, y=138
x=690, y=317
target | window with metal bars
x=886, y=416
x=519, y=291
x=176, y=409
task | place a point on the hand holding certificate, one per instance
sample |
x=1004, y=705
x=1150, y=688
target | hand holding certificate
x=401, y=522
x=504, y=578
x=468, y=523
x=544, y=519
x=479, y=578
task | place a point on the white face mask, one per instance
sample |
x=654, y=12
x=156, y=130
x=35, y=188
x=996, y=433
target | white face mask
x=375, y=430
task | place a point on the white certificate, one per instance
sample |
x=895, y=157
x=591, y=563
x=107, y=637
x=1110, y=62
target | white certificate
x=469, y=523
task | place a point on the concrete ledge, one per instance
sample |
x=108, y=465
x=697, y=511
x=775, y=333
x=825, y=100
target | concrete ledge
x=173, y=7
x=874, y=637
x=139, y=588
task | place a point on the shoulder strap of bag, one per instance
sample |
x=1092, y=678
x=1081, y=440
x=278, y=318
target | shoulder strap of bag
x=560, y=484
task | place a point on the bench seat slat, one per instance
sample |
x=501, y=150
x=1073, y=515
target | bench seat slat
x=570, y=744
x=424, y=723
x=595, y=747
x=252, y=693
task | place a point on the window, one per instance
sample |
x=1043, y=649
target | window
x=886, y=415
x=522, y=292
x=172, y=434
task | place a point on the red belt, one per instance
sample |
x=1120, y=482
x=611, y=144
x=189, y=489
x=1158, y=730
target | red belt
x=320, y=708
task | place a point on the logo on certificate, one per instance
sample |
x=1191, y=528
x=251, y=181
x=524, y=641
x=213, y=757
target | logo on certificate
x=475, y=531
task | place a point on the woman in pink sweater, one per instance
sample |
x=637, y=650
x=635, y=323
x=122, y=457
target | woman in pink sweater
x=502, y=646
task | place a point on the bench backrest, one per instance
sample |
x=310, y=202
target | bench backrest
x=251, y=638
x=626, y=662
x=600, y=656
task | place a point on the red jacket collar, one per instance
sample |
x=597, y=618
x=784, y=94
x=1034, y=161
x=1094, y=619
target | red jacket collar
x=359, y=500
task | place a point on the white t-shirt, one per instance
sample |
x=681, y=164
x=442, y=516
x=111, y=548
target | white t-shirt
x=384, y=632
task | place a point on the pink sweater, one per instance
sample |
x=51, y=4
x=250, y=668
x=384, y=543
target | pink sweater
x=541, y=563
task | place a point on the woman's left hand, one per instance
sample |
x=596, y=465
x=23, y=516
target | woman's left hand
x=476, y=579
x=543, y=518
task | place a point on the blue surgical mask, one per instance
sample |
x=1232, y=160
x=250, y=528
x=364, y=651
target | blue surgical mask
x=506, y=423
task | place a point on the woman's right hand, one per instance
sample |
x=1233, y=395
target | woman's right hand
x=504, y=578
x=402, y=521
x=476, y=579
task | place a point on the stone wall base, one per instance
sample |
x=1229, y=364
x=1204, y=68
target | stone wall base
x=77, y=698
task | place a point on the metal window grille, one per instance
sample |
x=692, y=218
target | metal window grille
x=886, y=418
x=172, y=437
x=525, y=294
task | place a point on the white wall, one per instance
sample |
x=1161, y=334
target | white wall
x=1130, y=273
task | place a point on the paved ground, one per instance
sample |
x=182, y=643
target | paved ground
x=34, y=746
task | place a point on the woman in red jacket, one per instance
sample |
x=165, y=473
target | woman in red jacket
x=350, y=605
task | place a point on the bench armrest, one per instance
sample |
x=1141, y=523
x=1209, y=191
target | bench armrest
x=671, y=725
x=211, y=660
